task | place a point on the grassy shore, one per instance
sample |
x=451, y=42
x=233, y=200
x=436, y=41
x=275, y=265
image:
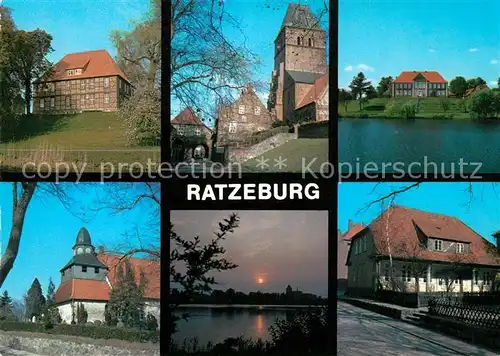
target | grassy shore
x=85, y=139
x=428, y=108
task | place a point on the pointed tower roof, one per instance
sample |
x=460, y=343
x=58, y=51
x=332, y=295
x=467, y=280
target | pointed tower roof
x=83, y=238
x=300, y=16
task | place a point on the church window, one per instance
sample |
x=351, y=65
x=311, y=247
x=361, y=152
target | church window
x=311, y=42
x=256, y=110
x=241, y=109
x=84, y=269
x=88, y=250
x=232, y=127
x=299, y=40
x=79, y=250
x=96, y=270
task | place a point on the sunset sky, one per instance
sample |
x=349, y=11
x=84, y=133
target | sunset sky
x=276, y=248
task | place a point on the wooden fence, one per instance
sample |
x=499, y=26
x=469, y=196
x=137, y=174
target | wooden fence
x=475, y=315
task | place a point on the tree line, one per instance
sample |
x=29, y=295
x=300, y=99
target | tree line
x=230, y=296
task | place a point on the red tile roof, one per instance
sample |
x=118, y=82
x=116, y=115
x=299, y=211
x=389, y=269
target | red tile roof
x=400, y=224
x=82, y=289
x=353, y=230
x=86, y=289
x=187, y=117
x=318, y=88
x=409, y=76
x=97, y=63
x=150, y=268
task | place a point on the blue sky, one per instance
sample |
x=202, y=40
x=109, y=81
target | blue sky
x=450, y=198
x=260, y=25
x=50, y=231
x=455, y=37
x=77, y=25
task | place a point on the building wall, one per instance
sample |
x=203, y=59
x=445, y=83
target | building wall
x=77, y=272
x=322, y=113
x=77, y=95
x=235, y=126
x=410, y=89
x=304, y=57
x=95, y=310
x=362, y=267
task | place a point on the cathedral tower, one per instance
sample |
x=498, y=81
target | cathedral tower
x=299, y=47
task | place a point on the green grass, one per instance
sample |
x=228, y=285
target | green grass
x=293, y=151
x=384, y=107
x=90, y=137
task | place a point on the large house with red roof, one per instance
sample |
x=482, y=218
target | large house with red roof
x=86, y=81
x=412, y=250
x=419, y=84
x=89, y=277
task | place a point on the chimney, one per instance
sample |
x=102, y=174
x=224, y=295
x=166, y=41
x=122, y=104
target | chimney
x=351, y=225
x=496, y=235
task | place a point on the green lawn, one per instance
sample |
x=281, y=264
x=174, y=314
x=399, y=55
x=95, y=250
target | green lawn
x=293, y=151
x=391, y=107
x=90, y=138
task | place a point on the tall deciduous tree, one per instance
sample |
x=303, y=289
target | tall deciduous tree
x=459, y=86
x=384, y=85
x=139, y=50
x=345, y=98
x=31, y=49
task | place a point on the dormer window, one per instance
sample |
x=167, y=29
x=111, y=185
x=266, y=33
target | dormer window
x=84, y=269
x=77, y=71
x=460, y=247
x=438, y=245
x=79, y=250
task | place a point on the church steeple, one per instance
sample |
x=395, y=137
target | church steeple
x=83, y=243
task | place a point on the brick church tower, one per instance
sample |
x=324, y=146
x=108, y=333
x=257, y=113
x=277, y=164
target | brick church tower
x=299, y=58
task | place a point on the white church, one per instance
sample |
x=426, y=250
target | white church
x=89, y=276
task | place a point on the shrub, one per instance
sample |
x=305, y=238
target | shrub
x=91, y=331
x=484, y=105
x=151, y=322
x=409, y=111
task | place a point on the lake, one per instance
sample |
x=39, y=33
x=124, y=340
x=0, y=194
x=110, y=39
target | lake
x=444, y=142
x=216, y=323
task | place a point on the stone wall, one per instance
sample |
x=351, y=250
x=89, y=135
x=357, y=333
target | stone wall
x=244, y=154
x=57, y=345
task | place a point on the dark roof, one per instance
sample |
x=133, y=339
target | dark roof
x=304, y=77
x=85, y=259
x=300, y=16
x=83, y=237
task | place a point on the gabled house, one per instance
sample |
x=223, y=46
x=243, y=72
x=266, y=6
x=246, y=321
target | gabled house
x=313, y=106
x=85, y=81
x=412, y=250
x=419, y=84
x=189, y=136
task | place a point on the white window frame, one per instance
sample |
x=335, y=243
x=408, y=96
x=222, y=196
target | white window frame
x=106, y=98
x=460, y=247
x=256, y=110
x=233, y=127
x=197, y=131
x=106, y=82
x=241, y=109
x=438, y=243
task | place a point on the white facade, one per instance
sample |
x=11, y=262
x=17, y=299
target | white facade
x=95, y=310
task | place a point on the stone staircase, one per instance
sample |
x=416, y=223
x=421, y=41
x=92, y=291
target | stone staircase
x=415, y=317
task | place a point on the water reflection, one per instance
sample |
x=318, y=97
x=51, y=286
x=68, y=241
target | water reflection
x=217, y=323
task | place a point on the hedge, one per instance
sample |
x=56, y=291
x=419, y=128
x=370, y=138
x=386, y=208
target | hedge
x=91, y=331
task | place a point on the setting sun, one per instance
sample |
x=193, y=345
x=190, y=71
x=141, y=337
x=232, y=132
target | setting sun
x=260, y=280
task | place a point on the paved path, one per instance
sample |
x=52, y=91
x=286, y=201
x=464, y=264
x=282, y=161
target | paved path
x=361, y=332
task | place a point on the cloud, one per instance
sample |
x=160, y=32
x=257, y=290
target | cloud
x=431, y=50
x=348, y=68
x=494, y=61
x=366, y=67
x=473, y=50
x=493, y=83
